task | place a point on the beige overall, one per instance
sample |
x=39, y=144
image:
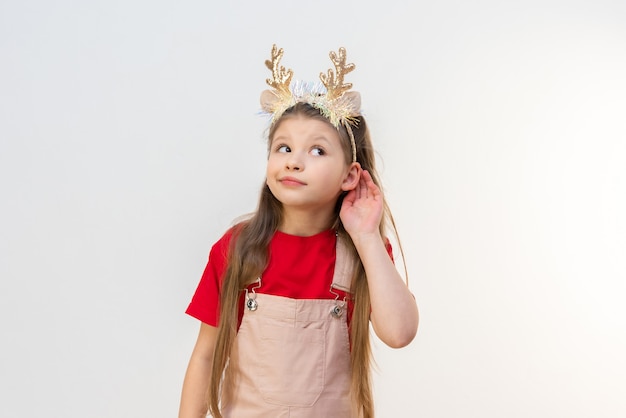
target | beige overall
x=291, y=357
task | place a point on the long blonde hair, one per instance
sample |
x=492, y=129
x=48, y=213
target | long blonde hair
x=248, y=258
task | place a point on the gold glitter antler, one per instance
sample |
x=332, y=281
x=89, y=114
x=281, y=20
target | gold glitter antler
x=338, y=105
x=281, y=78
x=333, y=81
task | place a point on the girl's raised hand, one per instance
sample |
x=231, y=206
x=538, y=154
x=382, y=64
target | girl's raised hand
x=362, y=208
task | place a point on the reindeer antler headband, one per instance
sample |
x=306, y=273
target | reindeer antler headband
x=331, y=97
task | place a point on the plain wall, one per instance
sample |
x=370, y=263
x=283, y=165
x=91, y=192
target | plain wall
x=130, y=139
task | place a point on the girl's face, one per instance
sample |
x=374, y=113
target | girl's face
x=307, y=168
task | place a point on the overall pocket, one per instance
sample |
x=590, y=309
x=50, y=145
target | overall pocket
x=291, y=364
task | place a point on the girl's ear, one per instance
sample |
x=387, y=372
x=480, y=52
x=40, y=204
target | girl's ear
x=352, y=178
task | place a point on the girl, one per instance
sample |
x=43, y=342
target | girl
x=287, y=296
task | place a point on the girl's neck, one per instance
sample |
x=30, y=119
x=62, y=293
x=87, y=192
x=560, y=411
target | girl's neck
x=305, y=223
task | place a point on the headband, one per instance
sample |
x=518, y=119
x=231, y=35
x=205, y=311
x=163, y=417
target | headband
x=332, y=98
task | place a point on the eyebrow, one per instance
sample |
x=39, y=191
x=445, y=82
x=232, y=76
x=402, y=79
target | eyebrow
x=321, y=137
x=276, y=138
x=317, y=138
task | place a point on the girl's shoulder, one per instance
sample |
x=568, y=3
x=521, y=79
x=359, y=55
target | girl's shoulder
x=221, y=247
x=223, y=244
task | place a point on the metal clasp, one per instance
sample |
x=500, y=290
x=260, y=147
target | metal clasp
x=337, y=310
x=251, y=302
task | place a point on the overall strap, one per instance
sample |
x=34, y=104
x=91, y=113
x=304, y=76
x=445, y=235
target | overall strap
x=342, y=277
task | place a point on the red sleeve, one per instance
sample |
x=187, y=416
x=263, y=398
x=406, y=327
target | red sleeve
x=389, y=249
x=205, y=304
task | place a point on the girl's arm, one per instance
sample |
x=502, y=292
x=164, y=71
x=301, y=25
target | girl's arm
x=394, y=311
x=394, y=314
x=193, y=402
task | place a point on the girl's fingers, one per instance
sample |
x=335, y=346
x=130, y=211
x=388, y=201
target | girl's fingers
x=361, y=187
x=369, y=184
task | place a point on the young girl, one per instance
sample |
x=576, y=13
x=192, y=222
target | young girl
x=287, y=296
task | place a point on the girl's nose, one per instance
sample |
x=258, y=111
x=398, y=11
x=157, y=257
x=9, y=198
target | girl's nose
x=294, y=162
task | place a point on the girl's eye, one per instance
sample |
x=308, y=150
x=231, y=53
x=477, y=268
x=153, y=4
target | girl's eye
x=317, y=151
x=283, y=148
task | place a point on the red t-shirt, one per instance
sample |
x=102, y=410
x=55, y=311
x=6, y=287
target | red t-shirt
x=298, y=268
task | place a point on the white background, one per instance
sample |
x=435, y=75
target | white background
x=130, y=140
